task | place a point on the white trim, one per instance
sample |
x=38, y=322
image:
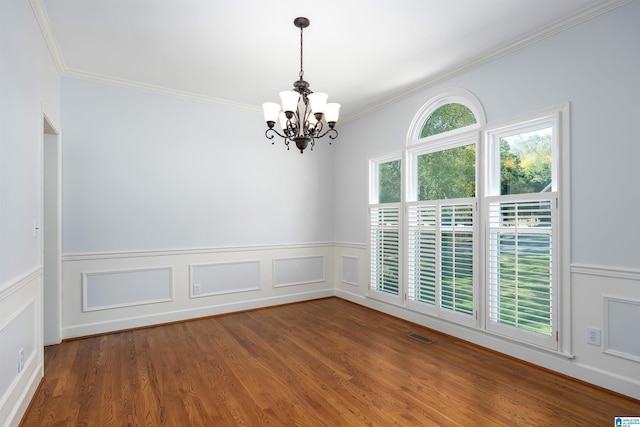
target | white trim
x=128, y=323
x=540, y=34
x=16, y=285
x=90, y=256
x=606, y=271
x=441, y=142
x=447, y=96
x=40, y=12
x=561, y=362
x=18, y=312
x=374, y=174
x=350, y=245
x=51, y=246
x=130, y=84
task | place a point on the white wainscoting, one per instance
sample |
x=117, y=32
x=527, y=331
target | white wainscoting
x=352, y=263
x=21, y=348
x=596, y=290
x=230, y=279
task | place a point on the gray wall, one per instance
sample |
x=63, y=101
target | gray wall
x=594, y=66
x=149, y=172
x=29, y=85
x=29, y=88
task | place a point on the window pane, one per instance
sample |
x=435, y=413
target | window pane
x=446, y=118
x=389, y=182
x=525, y=162
x=447, y=174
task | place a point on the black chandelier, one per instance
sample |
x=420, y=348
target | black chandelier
x=303, y=115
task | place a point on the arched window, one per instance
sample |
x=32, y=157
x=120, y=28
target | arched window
x=441, y=221
x=464, y=220
x=450, y=112
x=448, y=117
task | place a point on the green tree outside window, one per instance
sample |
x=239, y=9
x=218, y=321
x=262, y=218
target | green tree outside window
x=446, y=118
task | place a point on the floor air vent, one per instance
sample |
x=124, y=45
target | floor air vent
x=421, y=338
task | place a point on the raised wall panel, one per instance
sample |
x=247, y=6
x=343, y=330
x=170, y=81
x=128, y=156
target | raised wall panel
x=622, y=321
x=16, y=335
x=20, y=329
x=114, y=289
x=298, y=271
x=350, y=270
x=222, y=278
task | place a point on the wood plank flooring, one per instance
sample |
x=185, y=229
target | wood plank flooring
x=319, y=363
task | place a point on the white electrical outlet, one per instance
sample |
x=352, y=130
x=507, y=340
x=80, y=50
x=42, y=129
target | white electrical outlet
x=197, y=289
x=594, y=336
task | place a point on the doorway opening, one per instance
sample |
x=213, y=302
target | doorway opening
x=51, y=233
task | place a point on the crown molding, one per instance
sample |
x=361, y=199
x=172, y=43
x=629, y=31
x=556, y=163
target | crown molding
x=551, y=29
x=131, y=84
x=44, y=23
x=544, y=32
x=42, y=18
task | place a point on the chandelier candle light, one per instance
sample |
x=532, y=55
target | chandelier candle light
x=303, y=114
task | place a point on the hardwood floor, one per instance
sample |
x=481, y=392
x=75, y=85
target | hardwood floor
x=318, y=363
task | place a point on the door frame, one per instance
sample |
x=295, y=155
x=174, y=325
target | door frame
x=51, y=233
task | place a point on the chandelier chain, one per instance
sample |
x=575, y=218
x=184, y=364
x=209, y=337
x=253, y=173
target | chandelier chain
x=301, y=69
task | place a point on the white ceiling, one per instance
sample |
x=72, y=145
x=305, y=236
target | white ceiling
x=361, y=52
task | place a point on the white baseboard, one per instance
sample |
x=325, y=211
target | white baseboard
x=190, y=313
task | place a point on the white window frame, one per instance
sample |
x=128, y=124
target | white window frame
x=436, y=309
x=556, y=117
x=486, y=185
x=374, y=164
x=432, y=144
x=447, y=96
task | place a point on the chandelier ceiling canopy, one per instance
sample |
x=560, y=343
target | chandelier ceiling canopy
x=304, y=116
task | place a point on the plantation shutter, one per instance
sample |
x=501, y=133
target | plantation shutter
x=423, y=265
x=385, y=248
x=440, y=255
x=457, y=258
x=522, y=258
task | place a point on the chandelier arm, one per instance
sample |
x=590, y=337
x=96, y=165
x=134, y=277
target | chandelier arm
x=268, y=136
x=332, y=133
x=293, y=128
x=318, y=129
